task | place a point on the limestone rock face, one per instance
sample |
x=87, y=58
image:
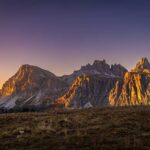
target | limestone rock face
x=134, y=89
x=93, y=89
x=31, y=86
x=143, y=64
x=99, y=67
x=118, y=70
x=27, y=77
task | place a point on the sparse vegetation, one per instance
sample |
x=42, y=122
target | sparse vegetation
x=106, y=128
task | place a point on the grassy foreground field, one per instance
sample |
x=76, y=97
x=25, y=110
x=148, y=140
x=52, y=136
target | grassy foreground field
x=101, y=129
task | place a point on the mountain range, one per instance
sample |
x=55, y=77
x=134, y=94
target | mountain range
x=94, y=85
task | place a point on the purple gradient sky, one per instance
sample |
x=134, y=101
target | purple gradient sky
x=62, y=35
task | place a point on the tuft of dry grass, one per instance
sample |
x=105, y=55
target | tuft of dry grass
x=112, y=128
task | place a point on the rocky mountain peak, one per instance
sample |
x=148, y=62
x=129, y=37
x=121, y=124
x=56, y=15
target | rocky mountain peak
x=143, y=64
x=99, y=62
x=118, y=70
x=101, y=67
x=32, y=87
x=27, y=77
x=86, y=89
x=134, y=89
x=24, y=66
x=34, y=70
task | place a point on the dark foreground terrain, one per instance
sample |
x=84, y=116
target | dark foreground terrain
x=101, y=129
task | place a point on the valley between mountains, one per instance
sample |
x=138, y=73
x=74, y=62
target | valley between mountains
x=94, y=85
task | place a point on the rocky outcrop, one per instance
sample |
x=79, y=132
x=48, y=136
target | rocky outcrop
x=31, y=86
x=110, y=87
x=118, y=70
x=99, y=67
x=134, y=89
x=143, y=64
x=93, y=89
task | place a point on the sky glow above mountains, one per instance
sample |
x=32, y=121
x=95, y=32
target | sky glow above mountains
x=62, y=35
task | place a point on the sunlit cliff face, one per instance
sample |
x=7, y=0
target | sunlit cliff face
x=91, y=89
x=132, y=89
x=142, y=66
x=30, y=79
x=135, y=88
x=79, y=82
x=22, y=77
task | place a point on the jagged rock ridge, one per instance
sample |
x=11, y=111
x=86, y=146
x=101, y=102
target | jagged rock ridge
x=99, y=67
x=143, y=64
x=134, y=89
x=93, y=89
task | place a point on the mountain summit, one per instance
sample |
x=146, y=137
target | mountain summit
x=143, y=64
x=31, y=86
x=134, y=89
x=99, y=67
x=27, y=77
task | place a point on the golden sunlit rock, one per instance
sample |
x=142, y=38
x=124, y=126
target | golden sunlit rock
x=91, y=89
x=32, y=85
x=135, y=88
